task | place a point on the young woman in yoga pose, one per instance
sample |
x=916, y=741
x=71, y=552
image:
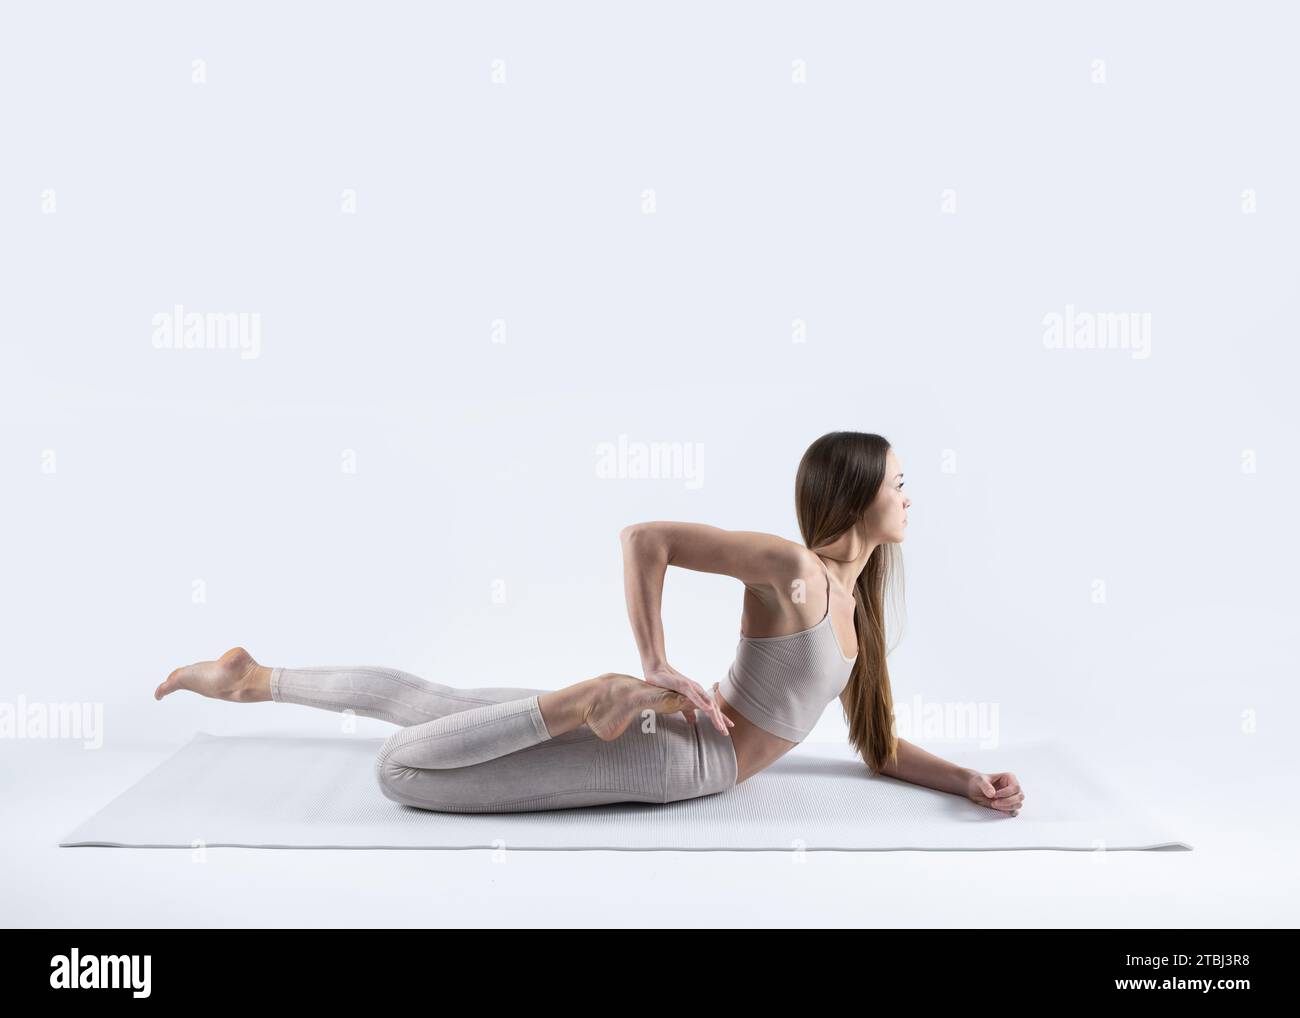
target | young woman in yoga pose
x=812, y=629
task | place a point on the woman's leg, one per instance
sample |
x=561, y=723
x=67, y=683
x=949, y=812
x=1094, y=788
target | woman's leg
x=509, y=749
x=662, y=758
x=384, y=693
x=609, y=739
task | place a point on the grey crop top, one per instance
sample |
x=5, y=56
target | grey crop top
x=783, y=683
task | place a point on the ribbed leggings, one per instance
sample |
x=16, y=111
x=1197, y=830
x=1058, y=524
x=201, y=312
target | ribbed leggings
x=488, y=750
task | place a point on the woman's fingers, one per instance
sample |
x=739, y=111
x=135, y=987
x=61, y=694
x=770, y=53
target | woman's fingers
x=710, y=707
x=701, y=698
x=697, y=695
x=724, y=722
x=714, y=691
x=1008, y=797
x=1005, y=783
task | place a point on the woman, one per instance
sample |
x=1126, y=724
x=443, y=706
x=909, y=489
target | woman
x=812, y=629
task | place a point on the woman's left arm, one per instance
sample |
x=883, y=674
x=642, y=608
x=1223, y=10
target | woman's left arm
x=922, y=768
x=999, y=791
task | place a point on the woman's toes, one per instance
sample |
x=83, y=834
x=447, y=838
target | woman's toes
x=671, y=702
x=188, y=677
x=168, y=685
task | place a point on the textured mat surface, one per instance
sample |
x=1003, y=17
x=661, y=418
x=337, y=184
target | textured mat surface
x=270, y=792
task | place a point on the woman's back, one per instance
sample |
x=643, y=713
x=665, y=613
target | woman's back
x=779, y=685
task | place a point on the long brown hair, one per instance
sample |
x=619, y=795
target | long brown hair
x=837, y=480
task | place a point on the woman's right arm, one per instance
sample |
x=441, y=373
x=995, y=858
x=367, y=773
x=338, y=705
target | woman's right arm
x=645, y=561
x=759, y=560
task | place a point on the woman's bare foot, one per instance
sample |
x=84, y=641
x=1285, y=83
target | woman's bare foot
x=617, y=699
x=234, y=676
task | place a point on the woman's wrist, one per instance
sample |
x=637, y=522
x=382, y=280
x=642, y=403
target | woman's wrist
x=962, y=783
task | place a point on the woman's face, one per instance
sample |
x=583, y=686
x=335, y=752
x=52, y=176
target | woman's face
x=886, y=518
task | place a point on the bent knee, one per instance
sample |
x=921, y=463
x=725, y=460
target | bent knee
x=423, y=787
x=399, y=782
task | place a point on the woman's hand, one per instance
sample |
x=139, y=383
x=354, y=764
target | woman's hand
x=997, y=791
x=670, y=678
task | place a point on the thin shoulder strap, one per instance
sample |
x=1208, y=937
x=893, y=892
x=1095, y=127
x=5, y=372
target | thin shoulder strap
x=827, y=571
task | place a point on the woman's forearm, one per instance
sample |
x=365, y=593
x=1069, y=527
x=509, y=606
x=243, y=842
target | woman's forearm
x=922, y=768
x=645, y=560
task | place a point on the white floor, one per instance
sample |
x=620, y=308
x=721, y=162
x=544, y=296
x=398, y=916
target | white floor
x=1236, y=811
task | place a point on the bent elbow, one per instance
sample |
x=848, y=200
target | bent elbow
x=644, y=540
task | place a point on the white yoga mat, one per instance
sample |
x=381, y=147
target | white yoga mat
x=263, y=792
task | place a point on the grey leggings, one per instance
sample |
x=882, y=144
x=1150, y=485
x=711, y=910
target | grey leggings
x=488, y=750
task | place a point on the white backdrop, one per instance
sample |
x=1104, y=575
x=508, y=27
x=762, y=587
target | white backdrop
x=478, y=241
